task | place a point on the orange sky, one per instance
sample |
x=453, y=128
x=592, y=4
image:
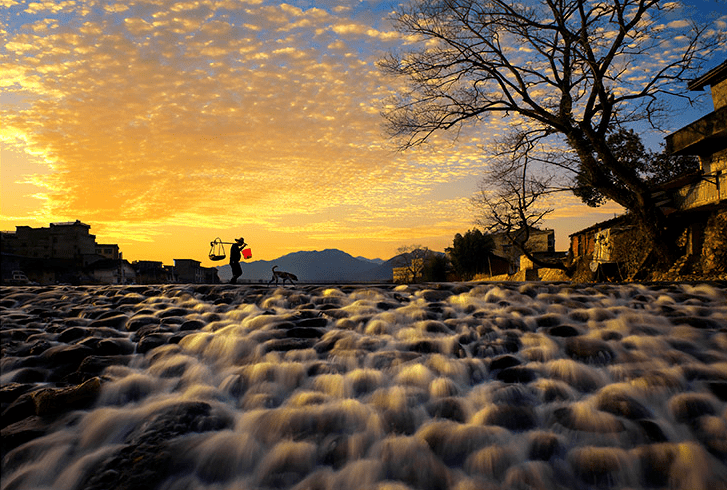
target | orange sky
x=165, y=124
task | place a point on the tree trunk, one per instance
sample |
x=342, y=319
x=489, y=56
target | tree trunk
x=633, y=193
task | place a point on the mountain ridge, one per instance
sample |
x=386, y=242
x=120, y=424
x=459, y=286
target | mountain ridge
x=329, y=265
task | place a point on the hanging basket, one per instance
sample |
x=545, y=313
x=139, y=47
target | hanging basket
x=217, y=250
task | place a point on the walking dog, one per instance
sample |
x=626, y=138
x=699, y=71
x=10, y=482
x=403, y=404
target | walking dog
x=285, y=276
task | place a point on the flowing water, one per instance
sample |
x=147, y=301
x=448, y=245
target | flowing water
x=462, y=386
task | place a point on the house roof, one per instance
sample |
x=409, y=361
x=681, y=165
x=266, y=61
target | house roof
x=602, y=225
x=706, y=135
x=712, y=77
x=108, y=264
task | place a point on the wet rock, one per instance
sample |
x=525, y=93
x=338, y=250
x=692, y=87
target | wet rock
x=64, y=359
x=579, y=316
x=315, y=322
x=652, y=431
x=400, y=421
x=596, y=465
x=21, y=408
x=548, y=321
x=114, y=347
x=73, y=333
x=513, y=394
x=286, y=464
x=511, y=417
x=152, y=341
x=93, y=366
x=687, y=407
x=655, y=461
x=452, y=442
x=447, y=408
x=54, y=401
x=12, y=391
x=491, y=462
x=544, y=446
x=30, y=375
x=424, y=347
x=318, y=368
x=433, y=326
x=410, y=461
x=191, y=325
x=432, y=295
x=484, y=349
x=699, y=322
x=718, y=389
x=712, y=433
x=116, y=321
x=18, y=433
x=172, y=312
x=151, y=329
x=145, y=459
x=622, y=405
x=503, y=362
x=563, y=331
x=611, y=335
x=590, y=351
x=517, y=374
x=135, y=323
x=603, y=424
x=383, y=305
x=285, y=345
x=333, y=451
x=510, y=323
x=305, y=333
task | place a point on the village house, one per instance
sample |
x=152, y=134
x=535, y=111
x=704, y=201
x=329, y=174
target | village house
x=539, y=241
x=109, y=251
x=696, y=203
x=110, y=271
x=190, y=271
x=69, y=242
x=58, y=253
x=68, y=253
x=153, y=272
x=701, y=196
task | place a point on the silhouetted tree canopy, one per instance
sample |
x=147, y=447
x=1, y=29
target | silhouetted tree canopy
x=654, y=168
x=469, y=253
x=435, y=270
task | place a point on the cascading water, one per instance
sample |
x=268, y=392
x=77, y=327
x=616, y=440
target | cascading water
x=425, y=387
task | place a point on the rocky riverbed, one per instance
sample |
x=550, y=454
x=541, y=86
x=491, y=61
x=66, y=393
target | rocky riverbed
x=462, y=386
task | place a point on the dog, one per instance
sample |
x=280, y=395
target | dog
x=285, y=276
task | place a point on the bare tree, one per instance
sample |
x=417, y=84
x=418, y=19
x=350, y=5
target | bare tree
x=569, y=70
x=510, y=202
x=414, y=259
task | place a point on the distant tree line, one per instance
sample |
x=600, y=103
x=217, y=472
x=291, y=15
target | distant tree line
x=468, y=256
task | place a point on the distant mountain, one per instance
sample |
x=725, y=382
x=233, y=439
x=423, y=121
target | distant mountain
x=373, y=261
x=325, y=266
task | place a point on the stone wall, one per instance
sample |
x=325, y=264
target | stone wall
x=714, y=248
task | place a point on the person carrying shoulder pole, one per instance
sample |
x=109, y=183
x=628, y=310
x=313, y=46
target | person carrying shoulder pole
x=235, y=256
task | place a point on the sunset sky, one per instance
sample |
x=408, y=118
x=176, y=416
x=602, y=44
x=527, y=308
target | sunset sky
x=165, y=124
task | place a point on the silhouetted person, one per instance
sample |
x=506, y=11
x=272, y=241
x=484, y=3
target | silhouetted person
x=235, y=255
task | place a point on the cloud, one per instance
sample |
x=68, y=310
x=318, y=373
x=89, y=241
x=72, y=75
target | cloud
x=49, y=6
